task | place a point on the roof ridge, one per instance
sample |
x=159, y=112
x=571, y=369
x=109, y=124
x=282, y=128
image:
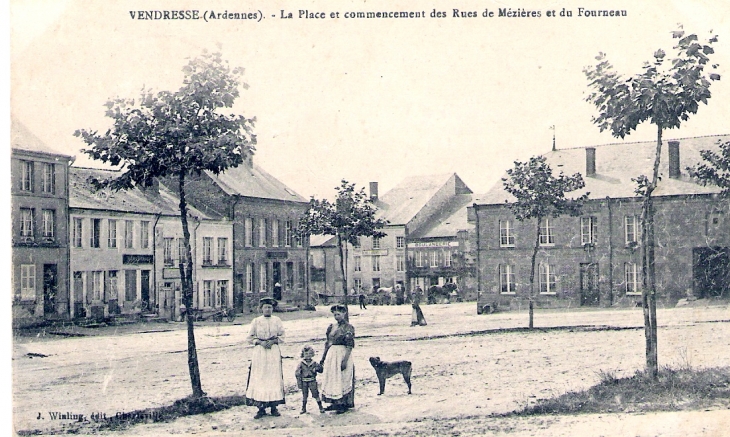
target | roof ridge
x=638, y=142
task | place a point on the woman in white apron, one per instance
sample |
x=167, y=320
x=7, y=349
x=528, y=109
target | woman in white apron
x=265, y=387
x=338, y=379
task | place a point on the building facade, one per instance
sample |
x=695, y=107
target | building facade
x=39, y=215
x=595, y=259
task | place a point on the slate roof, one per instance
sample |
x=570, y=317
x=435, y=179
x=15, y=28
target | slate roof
x=23, y=139
x=252, y=181
x=135, y=200
x=448, y=221
x=618, y=163
x=322, y=241
x=404, y=201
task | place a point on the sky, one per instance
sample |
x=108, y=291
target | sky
x=360, y=99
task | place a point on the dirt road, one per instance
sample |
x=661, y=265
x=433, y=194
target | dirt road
x=465, y=368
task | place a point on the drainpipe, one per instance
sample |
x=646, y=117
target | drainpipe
x=154, y=261
x=194, y=253
x=479, y=266
x=610, y=251
x=232, y=214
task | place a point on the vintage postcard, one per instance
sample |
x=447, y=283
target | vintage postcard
x=399, y=218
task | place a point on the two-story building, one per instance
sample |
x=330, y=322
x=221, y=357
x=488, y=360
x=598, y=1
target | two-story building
x=39, y=214
x=268, y=260
x=595, y=259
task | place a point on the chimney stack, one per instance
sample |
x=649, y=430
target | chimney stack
x=674, y=170
x=373, y=191
x=590, y=161
x=249, y=160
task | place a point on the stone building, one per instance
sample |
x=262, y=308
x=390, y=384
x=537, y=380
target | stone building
x=595, y=259
x=39, y=215
x=325, y=273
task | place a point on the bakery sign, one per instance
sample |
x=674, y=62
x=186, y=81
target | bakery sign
x=426, y=244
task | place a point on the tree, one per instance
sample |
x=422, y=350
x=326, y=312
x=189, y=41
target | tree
x=351, y=216
x=541, y=195
x=665, y=94
x=176, y=134
x=716, y=168
x=311, y=223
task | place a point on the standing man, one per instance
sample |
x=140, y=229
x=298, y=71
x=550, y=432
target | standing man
x=265, y=387
x=361, y=298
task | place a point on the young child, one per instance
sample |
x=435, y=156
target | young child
x=307, y=378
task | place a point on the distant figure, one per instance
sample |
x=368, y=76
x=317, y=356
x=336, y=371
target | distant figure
x=361, y=298
x=417, y=318
x=277, y=291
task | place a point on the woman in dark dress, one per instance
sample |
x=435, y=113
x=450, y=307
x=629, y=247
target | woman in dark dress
x=338, y=379
x=417, y=318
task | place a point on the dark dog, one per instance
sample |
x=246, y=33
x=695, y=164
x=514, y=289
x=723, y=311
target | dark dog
x=385, y=370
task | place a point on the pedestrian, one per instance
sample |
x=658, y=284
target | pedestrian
x=361, y=298
x=265, y=386
x=306, y=375
x=417, y=318
x=338, y=377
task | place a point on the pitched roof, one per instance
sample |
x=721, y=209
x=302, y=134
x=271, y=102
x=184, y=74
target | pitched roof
x=448, y=221
x=618, y=163
x=401, y=204
x=252, y=181
x=23, y=139
x=82, y=195
x=322, y=241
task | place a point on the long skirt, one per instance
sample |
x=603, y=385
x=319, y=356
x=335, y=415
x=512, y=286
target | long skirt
x=265, y=387
x=338, y=386
x=417, y=318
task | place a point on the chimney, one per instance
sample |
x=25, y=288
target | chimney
x=674, y=171
x=249, y=160
x=153, y=189
x=373, y=191
x=590, y=161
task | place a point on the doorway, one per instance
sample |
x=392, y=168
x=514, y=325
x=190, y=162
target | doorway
x=276, y=276
x=145, y=289
x=589, y=291
x=50, y=288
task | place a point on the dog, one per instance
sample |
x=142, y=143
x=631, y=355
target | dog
x=385, y=370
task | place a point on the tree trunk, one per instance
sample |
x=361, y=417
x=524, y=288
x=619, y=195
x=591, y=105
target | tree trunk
x=187, y=285
x=532, y=273
x=342, y=267
x=648, y=293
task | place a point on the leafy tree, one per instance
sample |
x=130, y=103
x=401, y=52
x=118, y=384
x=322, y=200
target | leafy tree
x=540, y=195
x=176, y=134
x=352, y=215
x=311, y=223
x=716, y=168
x=664, y=94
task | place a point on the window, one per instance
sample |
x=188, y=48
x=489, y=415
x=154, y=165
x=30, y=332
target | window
x=289, y=275
x=434, y=255
x=376, y=263
x=447, y=258
x=275, y=233
x=182, y=253
x=263, y=223
x=358, y=284
x=95, y=233
x=300, y=241
x=248, y=231
x=506, y=278
x=128, y=234
x=207, y=250
x=207, y=293
x=631, y=229
x=96, y=286
x=506, y=234
x=167, y=251
x=112, y=284
x=547, y=278
x=400, y=263
x=249, y=278
x=358, y=263
x=263, y=279
x=302, y=270
x=221, y=293
x=112, y=234
x=376, y=243
x=222, y=251
x=546, y=233
x=27, y=218
x=419, y=259
x=48, y=184
x=288, y=234
x=76, y=238
x=49, y=223
x=588, y=230
x=400, y=242
x=632, y=278
x=144, y=234
x=26, y=175
x=27, y=282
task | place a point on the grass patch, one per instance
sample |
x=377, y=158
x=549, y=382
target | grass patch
x=674, y=390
